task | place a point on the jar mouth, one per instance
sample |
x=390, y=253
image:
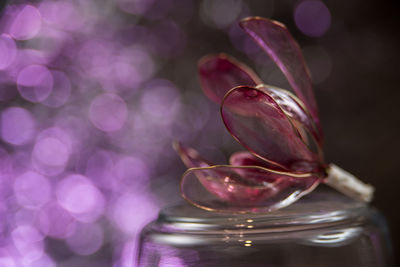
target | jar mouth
x=324, y=208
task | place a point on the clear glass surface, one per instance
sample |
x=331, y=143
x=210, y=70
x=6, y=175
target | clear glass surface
x=322, y=229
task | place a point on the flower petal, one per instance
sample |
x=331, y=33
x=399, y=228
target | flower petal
x=279, y=44
x=220, y=73
x=297, y=113
x=190, y=157
x=243, y=189
x=257, y=122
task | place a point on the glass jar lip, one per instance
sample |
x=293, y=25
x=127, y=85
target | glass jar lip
x=322, y=208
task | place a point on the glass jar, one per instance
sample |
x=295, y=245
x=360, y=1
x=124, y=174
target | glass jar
x=322, y=229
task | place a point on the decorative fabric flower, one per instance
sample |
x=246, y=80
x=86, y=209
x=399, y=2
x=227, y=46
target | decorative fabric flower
x=281, y=132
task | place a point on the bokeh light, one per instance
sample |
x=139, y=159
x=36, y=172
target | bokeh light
x=221, y=13
x=17, y=126
x=35, y=83
x=26, y=24
x=61, y=14
x=29, y=242
x=312, y=17
x=32, y=190
x=51, y=151
x=132, y=210
x=80, y=197
x=132, y=67
x=108, y=112
x=56, y=222
x=61, y=90
x=91, y=102
x=160, y=102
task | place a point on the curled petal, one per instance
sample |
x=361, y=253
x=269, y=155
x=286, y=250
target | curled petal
x=243, y=188
x=257, y=122
x=220, y=73
x=297, y=113
x=275, y=39
x=190, y=157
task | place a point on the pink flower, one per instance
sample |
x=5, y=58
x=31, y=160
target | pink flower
x=281, y=131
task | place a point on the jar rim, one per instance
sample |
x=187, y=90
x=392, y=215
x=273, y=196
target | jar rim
x=321, y=209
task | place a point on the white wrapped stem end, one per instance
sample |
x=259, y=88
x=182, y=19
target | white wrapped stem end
x=348, y=184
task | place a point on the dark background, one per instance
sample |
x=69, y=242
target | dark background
x=358, y=102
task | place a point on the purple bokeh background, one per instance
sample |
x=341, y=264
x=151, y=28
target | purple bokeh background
x=93, y=92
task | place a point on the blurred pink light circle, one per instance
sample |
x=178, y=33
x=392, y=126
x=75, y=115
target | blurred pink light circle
x=17, y=126
x=95, y=58
x=132, y=211
x=32, y=190
x=312, y=17
x=26, y=216
x=51, y=151
x=56, y=222
x=220, y=13
x=61, y=90
x=35, y=83
x=86, y=240
x=8, y=51
x=80, y=197
x=125, y=75
x=29, y=242
x=108, y=112
x=132, y=67
x=27, y=23
x=160, y=101
x=62, y=14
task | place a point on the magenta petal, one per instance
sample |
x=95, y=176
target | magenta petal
x=296, y=112
x=190, y=157
x=276, y=40
x=257, y=122
x=220, y=73
x=243, y=189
